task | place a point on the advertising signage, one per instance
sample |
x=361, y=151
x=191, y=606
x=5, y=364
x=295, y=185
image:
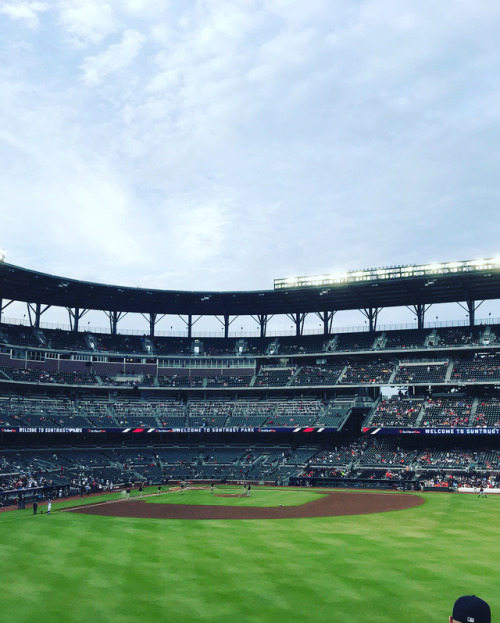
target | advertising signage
x=431, y=431
x=185, y=429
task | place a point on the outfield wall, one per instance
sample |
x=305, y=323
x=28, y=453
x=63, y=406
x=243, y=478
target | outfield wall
x=476, y=491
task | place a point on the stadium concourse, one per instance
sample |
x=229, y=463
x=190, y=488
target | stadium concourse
x=82, y=411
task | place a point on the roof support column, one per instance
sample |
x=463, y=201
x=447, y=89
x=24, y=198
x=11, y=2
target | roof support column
x=472, y=312
x=226, y=323
x=114, y=318
x=113, y=322
x=262, y=319
x=419, y=310
x=2, y=307
x=37, y=311
x=152, y=318
x=371, y=314
x=470, y=307
x=327, y=318
x=152, y=324
x=298, y=320
x=189, y=323
x=75, y=315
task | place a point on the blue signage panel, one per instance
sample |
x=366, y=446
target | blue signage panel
x=431, y=431
x=201, y=429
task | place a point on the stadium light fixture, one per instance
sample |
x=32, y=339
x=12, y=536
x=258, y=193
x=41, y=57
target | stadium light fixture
x=389, y=272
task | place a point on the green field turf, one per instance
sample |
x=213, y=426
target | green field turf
x=258, y=497
x=398, y=566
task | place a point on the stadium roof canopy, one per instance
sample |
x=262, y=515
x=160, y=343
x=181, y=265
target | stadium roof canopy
x=467, y=281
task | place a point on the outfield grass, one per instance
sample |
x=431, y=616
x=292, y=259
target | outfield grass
x=398, y=566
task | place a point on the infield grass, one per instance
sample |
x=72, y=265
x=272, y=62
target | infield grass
x=234, y=496
x=398, y=566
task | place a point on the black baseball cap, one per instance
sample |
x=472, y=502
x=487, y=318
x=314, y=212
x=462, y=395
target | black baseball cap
x=471, y=609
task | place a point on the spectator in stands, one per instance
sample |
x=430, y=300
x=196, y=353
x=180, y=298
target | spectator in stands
x=470, y=609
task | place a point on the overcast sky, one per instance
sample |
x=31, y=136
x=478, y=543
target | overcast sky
x=220, y=144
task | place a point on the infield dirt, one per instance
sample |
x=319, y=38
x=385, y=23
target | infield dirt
x=331, y=504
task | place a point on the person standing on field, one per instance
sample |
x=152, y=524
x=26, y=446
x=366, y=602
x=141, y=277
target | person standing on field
x=49, y=506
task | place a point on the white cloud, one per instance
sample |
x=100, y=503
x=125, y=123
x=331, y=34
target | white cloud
x=143, y=9
x=230, y=143
x=24, y=11
x=90, y=22
x=115, y=58
x=87, y=21
x=76, y=212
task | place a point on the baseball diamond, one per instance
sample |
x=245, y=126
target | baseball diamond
x=333, y=504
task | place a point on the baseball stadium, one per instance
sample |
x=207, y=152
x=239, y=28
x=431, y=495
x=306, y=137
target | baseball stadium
x=298, y=476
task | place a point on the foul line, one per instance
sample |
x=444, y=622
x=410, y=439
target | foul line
x=94, y=504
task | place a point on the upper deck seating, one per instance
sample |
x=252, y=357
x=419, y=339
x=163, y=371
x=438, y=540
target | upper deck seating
x=317, y=375
x=59, y=339
x=172, y=345
x=226, y=380
x=447, y=412
x=180, y=380
x=408, y=374
x=273, y=377
x=292, y=345
x=357, y=341
x=407, y=339
x=458, y=336
x=208, y=413
x=361, y=373
x=20, y=335
x=487, y=413
x=334, y=413
x=477, y=370
x=397, y=412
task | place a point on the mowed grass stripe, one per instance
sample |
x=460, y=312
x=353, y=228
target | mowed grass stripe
x=406, y=565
